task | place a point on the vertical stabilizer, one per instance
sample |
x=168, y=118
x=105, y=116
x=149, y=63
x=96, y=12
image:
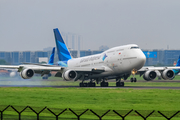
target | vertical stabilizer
x=176, y=71
x=51, y=59
x=178, y=62
x=63, y=52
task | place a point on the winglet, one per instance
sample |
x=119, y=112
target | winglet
x=63, y=52
x=51, y=59
x=178, y=62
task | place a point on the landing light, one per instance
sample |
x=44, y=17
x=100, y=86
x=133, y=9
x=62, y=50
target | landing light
x=134, y=71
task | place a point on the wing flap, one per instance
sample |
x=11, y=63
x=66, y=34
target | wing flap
x=89, y=69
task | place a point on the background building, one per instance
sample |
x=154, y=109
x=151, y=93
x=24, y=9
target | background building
x=26, y=57
x=15, y=57
x=6, y=56
x=39, y=54
x=153, y=57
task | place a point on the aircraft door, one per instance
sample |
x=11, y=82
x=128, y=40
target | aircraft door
x=120, y=61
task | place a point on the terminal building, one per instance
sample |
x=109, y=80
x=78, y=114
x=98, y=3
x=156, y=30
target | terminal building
x=154, y=57
x=161, y=57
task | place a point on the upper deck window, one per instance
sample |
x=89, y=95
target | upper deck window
x=110, y=51
x=135, y=47
x=120, y=50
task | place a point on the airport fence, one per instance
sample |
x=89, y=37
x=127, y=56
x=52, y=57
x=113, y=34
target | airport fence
x=36, y=113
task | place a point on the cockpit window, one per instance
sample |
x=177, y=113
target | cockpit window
x=135, y=47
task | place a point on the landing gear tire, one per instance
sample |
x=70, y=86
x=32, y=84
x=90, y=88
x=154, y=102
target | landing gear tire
x=133, y=80
x=94, y=84
x=80, y=84
x=119, y=84
x=91, y=84
x=104, y=84
x=83, y=84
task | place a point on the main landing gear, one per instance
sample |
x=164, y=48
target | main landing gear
x=119, y=83
x=89, y=84
x=104, y=84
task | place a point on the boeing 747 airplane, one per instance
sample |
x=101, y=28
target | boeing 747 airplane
x=116, y=63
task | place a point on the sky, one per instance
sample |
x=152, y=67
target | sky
x=151, y=24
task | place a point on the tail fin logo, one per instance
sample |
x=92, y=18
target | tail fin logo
x=104, y=57
x=51, y=60
x=178, y=62
x=176, y=71
x=63, y=52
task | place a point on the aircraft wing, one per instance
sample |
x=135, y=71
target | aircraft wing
x=157, y=68
x=150, y=73
x=38, y=64
x=45, y=69
x=9, y=66
x=33, y=67
x=40, y=69
x=83, y=72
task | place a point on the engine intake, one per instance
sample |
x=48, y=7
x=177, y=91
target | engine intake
x=149, y=75
x=168, y=74
x=27, y=73
x=69, y=75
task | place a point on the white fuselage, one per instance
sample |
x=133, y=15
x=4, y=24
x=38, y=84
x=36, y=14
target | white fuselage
x=115, y=61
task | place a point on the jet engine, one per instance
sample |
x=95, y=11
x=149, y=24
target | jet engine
x=69, y=75
x=149, y=75
x=168, y=74
x=27, y=73
x=13, y=74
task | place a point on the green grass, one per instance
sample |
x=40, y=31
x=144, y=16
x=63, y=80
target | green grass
x=96, y=99
x=82, y=98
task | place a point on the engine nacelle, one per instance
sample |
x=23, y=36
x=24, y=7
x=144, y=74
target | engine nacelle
x=27, y=73
x=13, y=74
x=168, y=74
x=149, y=75
x=69, y=75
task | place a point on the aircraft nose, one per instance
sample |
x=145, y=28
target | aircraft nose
x=142, y=59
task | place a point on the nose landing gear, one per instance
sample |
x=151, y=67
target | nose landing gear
x=133, y=72
x=133, y=79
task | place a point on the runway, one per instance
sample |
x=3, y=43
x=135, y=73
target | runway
x=141, y=84
x=110, y=87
